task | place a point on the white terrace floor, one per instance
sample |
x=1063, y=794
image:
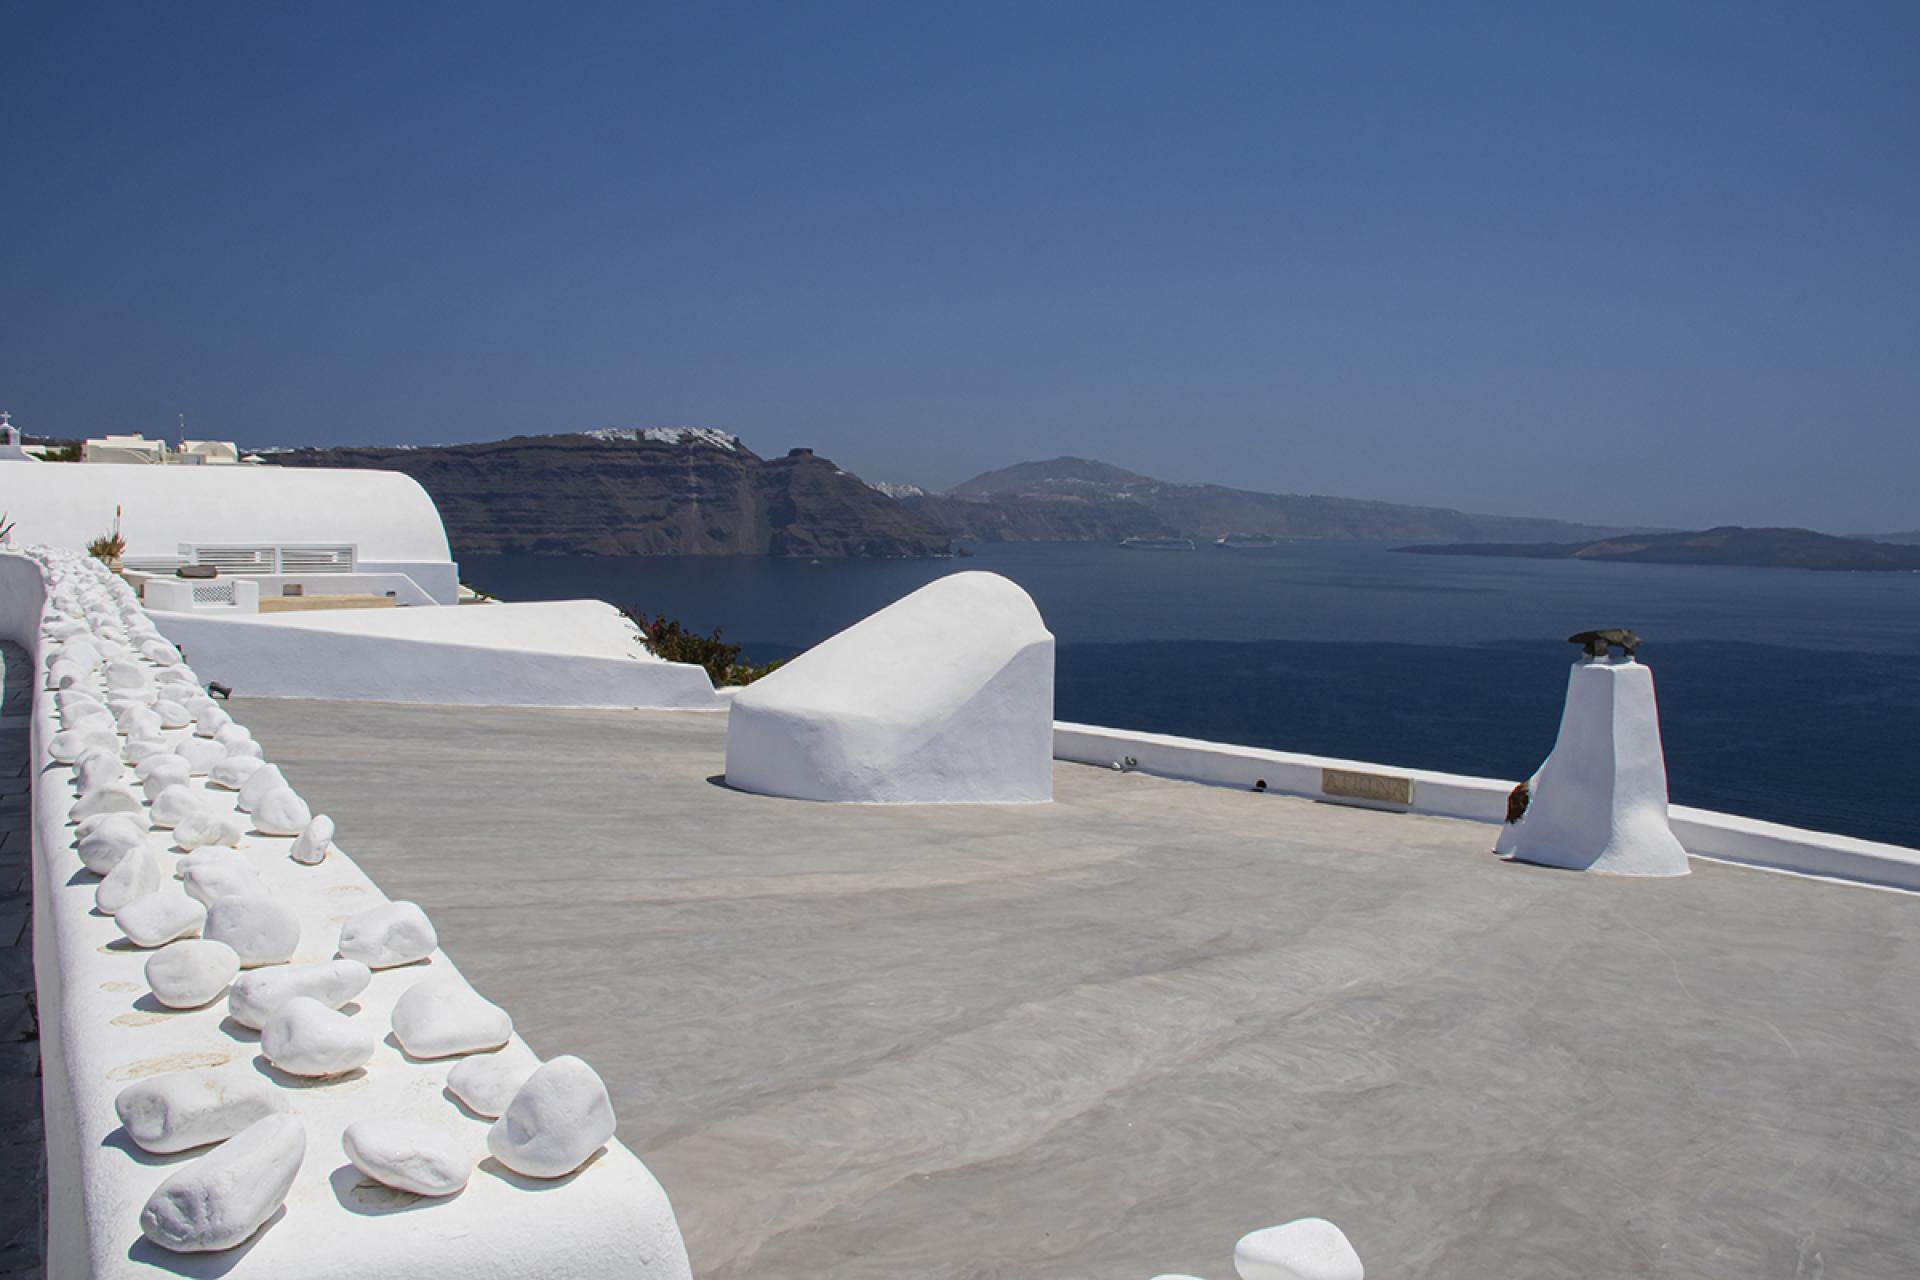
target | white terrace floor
x=1107, y=1036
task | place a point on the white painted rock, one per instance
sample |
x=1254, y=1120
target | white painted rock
x=312, y=845
x=158, y=772
x=138, y=749
x=173, y=804
x=210, y=720
x=185, y=1109
x=486, y=1082
x=305, y=1038
x=66, y=674
x=945, y=696
x=233, y=734
x=203, y=828
x=172, y=714
x=139, y=722
x=250, y=750
x=265, y=779
x=210, y=880
x=97, y=768
x=1309, y=1249
x=102, y=848
x=157, y=918
x=191, y=972
x=260, y=930
x=281, y=813
x=136, y=875
x=225, y=1196
x=99, y=821
x=257, y=995
x=229, y=772
x=201, y=754
x=159, y=653
x=394, y=933
x=444, y=1017
x=111, y=797
x=127, y=675
x=408, y=1155
x=560, y=1117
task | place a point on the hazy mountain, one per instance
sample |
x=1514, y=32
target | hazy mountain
x=1726, y=545
x=1077, y=499
x=1911, y=538
x=663, y=491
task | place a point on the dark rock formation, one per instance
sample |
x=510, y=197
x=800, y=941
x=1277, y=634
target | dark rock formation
x=1725, y=545
x=625, y=493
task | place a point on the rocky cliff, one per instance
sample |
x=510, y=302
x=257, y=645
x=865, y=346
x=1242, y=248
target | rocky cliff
x=654, y=492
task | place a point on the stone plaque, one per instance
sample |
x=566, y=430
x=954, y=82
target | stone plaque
x=1369, y=788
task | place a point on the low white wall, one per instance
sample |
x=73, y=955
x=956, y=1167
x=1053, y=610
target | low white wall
x=98, y=1033
x=1703, y=833
x=567, y=654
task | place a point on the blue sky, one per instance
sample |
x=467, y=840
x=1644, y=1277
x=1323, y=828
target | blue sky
x=1655, y=263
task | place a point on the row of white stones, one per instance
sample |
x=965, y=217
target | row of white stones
x=149, y=749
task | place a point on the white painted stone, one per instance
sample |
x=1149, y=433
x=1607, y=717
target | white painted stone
x=265, y=779
x=159, y=772
x=305, y=1038
x=127, y=675
x=116, y=835
x=207, y=856
x=232, y=771
x=1308, y=1249
x=232, y=734
x=408, y=1155
x=444, y=1017
x=138, y=721
x=103, y=820
x=136, y=875
x=205, y=828
x=248, y=750
x=157, y=918
x=281, y=812
x=222, y=1198
x=191, y=972
x=139, y=749
x=945, y=696
x=65, y=747
x=260, y=930
x=65, y=673
x=257, y=994
x=557, y=1120
x=1599, y=803
x=210, y=720
x=201, y=754
x=172, y=715
x=174, y=803
x=97, y=768
x=180, y=1110
x=486, y=1082
x=105, y=799
x=205, y=882
x=312, y=845
x=392, y=934
x=159, y=653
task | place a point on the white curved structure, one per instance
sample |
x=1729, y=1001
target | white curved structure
x=387, y=516
x=1599, y=803
x=943, y=697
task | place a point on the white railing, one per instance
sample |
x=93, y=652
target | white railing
x=300, y=558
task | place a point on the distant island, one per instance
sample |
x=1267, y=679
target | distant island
x=698, y=491
x=1725, y=545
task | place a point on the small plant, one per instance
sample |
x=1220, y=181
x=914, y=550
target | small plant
x=6, y=528
x=670, y=639
x=111, y=546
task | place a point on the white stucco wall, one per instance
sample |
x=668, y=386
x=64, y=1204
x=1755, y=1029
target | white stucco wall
x=612, y=1219
x=571, y=653
x=388, y=516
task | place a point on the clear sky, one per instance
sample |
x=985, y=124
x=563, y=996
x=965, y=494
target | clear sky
x=1655, y=263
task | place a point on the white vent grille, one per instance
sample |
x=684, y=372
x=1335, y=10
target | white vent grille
x=317, y=559
x=213, y=592
x=235, y=559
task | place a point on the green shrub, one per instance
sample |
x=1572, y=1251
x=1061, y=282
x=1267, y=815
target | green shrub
x=670, y=639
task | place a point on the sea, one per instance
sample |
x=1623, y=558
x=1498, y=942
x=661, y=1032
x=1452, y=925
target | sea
x=1785, y=694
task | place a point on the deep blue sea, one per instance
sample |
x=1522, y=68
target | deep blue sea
x=1784, y=694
